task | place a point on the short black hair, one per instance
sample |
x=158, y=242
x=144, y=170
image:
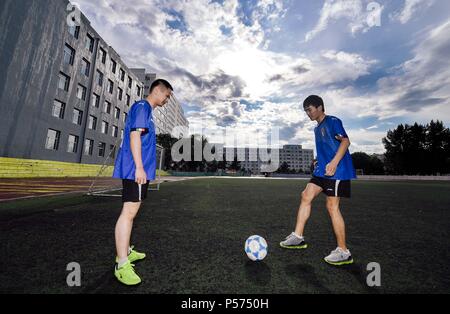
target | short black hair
x=314, y=101
x=160, y=82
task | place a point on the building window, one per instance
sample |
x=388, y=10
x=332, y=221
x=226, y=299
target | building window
x=81, y=92
x=74, y=31
x=105, y=127
x=64, y=82
x=130, y=82
x=95, y=100
x=111, y=86
x=107, y=107
x=119, y=93
x=99, y=78
x=115, y=131
x=72, y=144
x=58, y=109
x=69, y=54
x=122, y=75
x=85, y=67
x=88, y=147
x=113, y=66
x=92, y=123
x=128, y=100
x=77, y=116
x=89, y=43
x=124, y=117
x=101, y=149
x=117, y=113
x=138, y=91
x=52, y=141
x=103, y=55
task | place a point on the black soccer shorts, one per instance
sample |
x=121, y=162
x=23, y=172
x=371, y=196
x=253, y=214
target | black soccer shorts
x=331, y=187
x=133, y=192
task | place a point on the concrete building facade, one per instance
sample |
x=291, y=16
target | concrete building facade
x=167, y=117
x=64, y=92
x=295, y=156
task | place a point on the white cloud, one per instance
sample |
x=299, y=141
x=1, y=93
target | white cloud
x=410, y=8
x=366, y=141
x=418, y=84
x=351, y=10
x=212, y=70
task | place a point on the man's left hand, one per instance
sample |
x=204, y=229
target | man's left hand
x=330, y=169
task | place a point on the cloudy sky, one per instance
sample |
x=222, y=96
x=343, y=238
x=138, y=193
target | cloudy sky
x=247, y=66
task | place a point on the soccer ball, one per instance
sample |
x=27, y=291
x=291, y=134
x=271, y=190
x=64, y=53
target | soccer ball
x=256, y=248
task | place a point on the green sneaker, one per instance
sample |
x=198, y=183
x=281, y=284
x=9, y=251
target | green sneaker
x=133, y=256
x=126, y=274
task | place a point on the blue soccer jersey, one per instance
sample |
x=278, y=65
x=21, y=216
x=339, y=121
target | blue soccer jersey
x=139, y=117
x=327, y=146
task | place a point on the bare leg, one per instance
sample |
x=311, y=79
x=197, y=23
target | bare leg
x=337, y=221
x=123, y=229
x=304, y=211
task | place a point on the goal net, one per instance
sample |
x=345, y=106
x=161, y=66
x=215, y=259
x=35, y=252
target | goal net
x=104, y=185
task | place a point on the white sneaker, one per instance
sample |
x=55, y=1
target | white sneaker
x=293, y=241
x=339, y=257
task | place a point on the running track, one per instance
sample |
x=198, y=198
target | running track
x=12, y=189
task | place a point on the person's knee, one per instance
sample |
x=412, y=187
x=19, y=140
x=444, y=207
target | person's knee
x=307, y=197
x=332, y=207
x=130, y=210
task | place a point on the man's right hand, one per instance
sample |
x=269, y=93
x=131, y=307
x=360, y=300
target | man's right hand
x=140, y=176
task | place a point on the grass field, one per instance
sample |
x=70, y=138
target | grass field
x=194, y=234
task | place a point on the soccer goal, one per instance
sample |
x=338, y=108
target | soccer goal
x=104, y=185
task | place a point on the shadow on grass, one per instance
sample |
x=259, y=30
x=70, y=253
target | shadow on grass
x=306, y=274
x=258, y=273
x=358, y=271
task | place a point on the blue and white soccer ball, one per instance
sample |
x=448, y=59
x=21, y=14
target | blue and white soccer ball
x=256, y=248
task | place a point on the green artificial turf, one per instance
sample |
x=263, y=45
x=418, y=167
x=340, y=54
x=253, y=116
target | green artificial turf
x=194, y=232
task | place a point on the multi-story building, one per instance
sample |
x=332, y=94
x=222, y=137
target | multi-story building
x=64, y=92
x=146, y=79
x=295, y=156
x=167, y=117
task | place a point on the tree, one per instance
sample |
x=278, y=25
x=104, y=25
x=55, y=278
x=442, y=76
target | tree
x=438, y=149
x=394, y=144
x=235, y=165
x=418, y=149
x=284, y=168
x=166, y=141
x=371, y=165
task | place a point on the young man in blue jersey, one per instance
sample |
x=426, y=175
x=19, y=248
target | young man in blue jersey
x=332, y=175
x=136, y=166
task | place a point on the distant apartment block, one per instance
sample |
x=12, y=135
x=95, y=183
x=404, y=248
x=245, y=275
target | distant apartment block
x=251, y=159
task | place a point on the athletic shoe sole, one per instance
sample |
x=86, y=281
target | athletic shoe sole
x=294, y=247
x=339, y=263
